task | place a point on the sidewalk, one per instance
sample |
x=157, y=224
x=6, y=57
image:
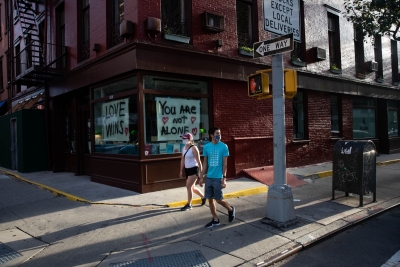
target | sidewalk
x=246, y=241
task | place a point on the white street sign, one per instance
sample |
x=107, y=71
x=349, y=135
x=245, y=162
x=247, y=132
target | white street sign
x=273, y=46
x=282, y=17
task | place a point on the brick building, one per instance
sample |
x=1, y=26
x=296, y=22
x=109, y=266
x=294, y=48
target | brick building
x=120, y=80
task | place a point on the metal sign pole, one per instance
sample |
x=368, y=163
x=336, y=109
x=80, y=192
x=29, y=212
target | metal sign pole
x=280, y=209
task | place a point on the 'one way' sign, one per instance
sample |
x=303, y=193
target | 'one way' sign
x=273, y=46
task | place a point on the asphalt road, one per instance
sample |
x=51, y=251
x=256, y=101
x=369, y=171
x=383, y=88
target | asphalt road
x=368, y=244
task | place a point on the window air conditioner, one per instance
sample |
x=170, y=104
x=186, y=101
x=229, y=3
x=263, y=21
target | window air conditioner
x=372, y=66
x=126, y=29
x=212, y=22
x=319, y=53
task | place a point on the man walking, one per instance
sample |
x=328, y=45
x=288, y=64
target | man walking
x=214, y=168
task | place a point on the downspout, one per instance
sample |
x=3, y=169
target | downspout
x=49, y=142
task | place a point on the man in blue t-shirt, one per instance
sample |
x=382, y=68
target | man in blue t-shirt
x=214, y=168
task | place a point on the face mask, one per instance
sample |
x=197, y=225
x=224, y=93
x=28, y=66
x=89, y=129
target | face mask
x=217, y=138
x=185, y=141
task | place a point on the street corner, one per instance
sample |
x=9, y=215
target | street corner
x=16, y=247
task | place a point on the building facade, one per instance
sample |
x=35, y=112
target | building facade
x=121, y=80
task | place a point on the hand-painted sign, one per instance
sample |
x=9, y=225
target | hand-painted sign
x=176, y=116
x=116, y=120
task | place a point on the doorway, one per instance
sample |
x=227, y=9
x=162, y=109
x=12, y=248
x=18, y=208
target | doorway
x=14, y=144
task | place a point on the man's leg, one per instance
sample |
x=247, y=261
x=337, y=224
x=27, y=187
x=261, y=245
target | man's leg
x=213, y=208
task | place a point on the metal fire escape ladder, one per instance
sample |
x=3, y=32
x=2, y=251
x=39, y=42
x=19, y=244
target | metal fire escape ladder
x=33, y=42
x=38, y=62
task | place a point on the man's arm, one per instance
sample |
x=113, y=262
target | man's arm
x=204, y=171
x=224, y=168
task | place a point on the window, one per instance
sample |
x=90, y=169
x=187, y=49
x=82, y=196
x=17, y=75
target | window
x=173, y=107
x=299, y=49
x=359, y=50
x=378, y=55
x=364, y=122
x=393, y=123
x=116, y=17
x=174, y=17
x=395, y=62
x=335, y=116
x=298, y=116
x=245, y=24
x=115, y=115
x=1, y=74
x=334, y=40
x=60, y=34
x=84, y=30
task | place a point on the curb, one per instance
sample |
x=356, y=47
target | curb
x=242, y=193
x=329, y=173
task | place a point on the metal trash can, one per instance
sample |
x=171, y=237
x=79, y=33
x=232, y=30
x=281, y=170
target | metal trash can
x=354, y=168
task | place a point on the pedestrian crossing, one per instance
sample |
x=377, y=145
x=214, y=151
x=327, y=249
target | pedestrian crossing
x=394, y=261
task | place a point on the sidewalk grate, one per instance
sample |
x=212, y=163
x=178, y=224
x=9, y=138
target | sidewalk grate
x=186, y=259
x=7, y=253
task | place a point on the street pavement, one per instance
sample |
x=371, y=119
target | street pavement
x=117, y=227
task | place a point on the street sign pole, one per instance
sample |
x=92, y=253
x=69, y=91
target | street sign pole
x=280, y=208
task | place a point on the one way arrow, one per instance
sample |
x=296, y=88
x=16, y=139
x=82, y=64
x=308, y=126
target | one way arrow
x=274, y=46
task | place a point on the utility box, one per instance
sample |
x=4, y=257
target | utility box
x=354, y=168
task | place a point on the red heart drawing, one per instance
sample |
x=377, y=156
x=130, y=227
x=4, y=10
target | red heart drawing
x=194, y=131
x=126, y=131
x=165, y=119
x=193, y=119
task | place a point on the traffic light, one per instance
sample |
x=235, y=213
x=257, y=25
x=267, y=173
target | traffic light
x=258, y=85
x=290, y=83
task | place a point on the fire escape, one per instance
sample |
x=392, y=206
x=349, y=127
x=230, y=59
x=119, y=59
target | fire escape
x=38, y=62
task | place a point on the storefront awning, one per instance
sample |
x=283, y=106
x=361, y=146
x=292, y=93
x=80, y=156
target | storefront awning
x=26, y=104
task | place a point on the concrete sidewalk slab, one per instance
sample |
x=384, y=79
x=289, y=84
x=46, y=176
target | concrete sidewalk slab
x=25, y=245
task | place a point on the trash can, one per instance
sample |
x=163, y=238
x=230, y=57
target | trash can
x=354, y=168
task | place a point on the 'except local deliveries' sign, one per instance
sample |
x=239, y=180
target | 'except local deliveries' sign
x=273, y=46
x=116, y=120
x=176, y=116
x=282, y=17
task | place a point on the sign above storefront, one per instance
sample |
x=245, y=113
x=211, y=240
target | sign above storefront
x=176, y=116
x=282, y=17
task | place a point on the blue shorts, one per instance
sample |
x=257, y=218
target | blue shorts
x=213, y=189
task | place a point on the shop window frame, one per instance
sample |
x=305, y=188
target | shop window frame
x=394, y=107
x=108, y=98
x=339, y=133
x=165, y=93
x=365, y=106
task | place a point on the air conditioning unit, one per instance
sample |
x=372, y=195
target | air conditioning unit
x=126, y=29
x=213, y=22
x=319, y=53
x=372, y=66
x=152, y=25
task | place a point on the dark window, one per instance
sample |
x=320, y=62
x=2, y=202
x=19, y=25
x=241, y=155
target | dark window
x=116, y=17
x=84, y=30
x=1, y=74
x=378, y=56
x=60, y=34
x=364, y=119
x=299, y=49
x=7, y=12
x=359, y=50
x=395, y=62
x=393, y=122
x=336, y=118
x=175, y=17
x=299, y=129
x=245, y=14
x=334, y=40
